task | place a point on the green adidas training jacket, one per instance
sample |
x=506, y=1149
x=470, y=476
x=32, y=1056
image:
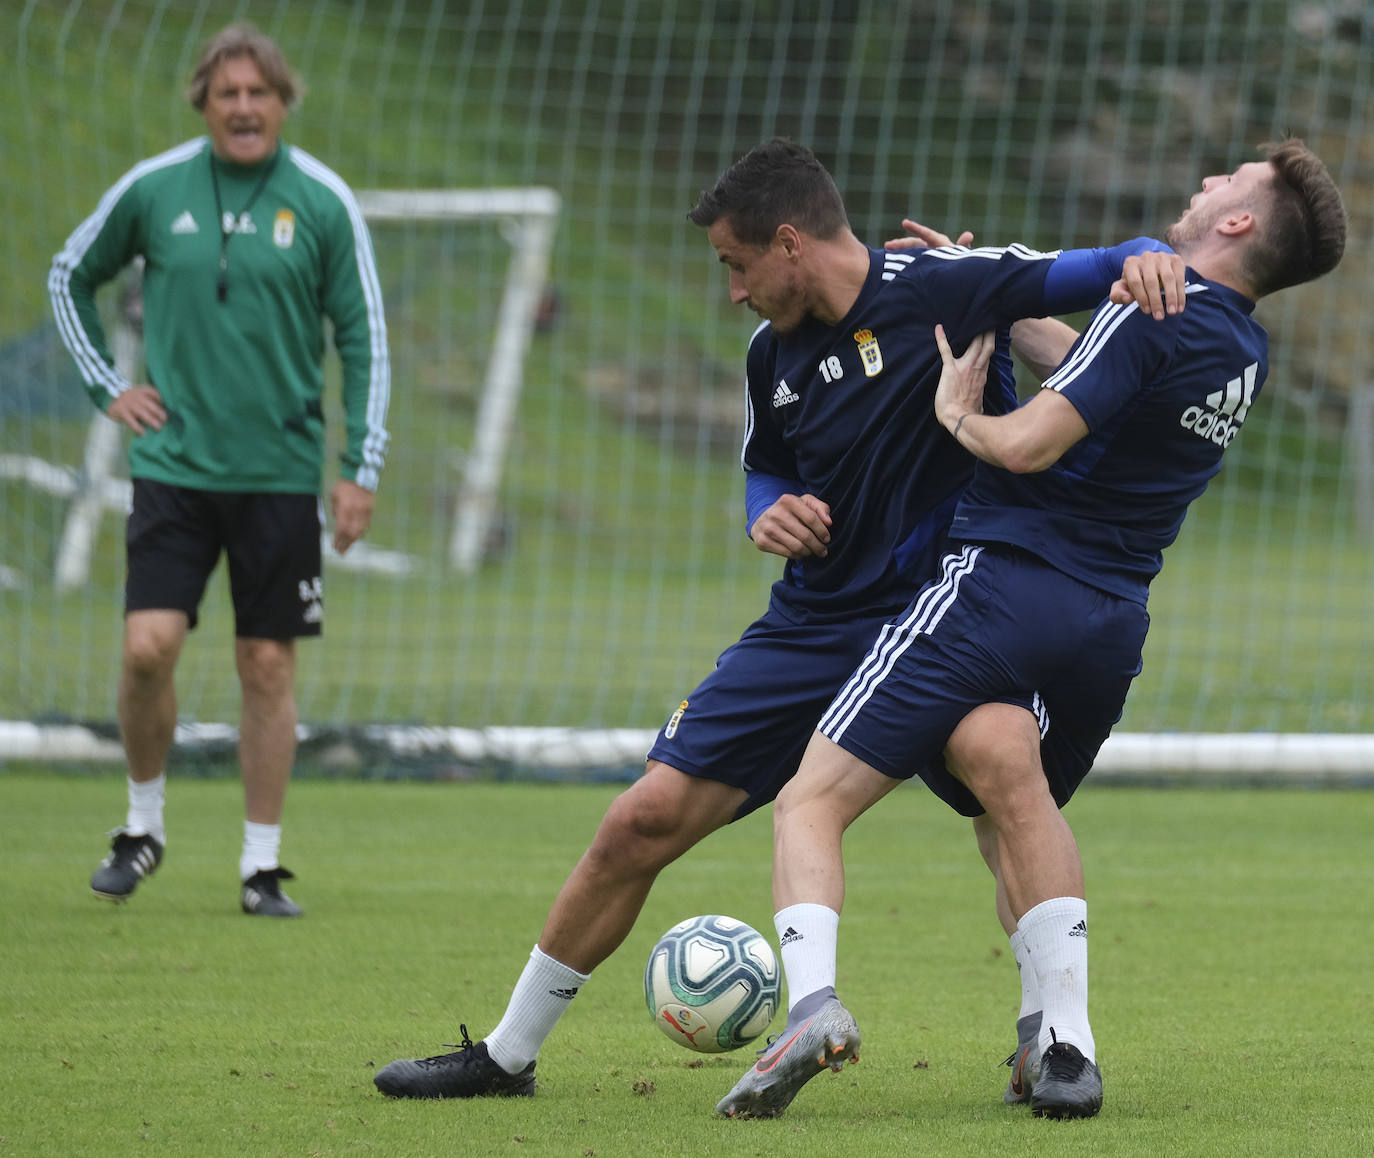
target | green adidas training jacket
x=239, y=372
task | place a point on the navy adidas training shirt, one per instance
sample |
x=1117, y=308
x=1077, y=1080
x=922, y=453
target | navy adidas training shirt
x=1162, y=401
x=847, y=412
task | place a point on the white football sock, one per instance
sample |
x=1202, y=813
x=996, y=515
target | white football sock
x=807, y=936
x=1055, y=934
x=543, y=993
x=1030, y=990
x=145, y=808
x=261, y=846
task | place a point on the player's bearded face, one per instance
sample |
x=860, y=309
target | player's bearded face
x=1227, y=193
x=1193, y=226
x=780, y=298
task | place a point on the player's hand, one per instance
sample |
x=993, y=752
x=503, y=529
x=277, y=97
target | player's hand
x=960, y=390
x=139, y=408
x=796, y=526
x=351, y=506
x=920, y=236
x=1154, y=281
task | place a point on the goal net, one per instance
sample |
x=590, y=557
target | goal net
x=558, y=552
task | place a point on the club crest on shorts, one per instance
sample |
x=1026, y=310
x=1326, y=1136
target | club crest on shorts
x=284, y=229
x=869, y=352
x=674, y=720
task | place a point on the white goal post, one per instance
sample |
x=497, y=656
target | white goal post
x=528, y=217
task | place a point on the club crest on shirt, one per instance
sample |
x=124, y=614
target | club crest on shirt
x=284, y=228
x=671, y=729
x=869, y=352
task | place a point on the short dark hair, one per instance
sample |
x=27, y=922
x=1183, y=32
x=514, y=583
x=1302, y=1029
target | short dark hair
x=778, y=182
x=244, y=39
x=1302, y=236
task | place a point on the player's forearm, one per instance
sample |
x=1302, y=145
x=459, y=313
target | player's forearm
x=1031, y=438
x=365, y=454
x=1041, y=344
x=761, y=491
x=353, y=302
x=366, y=399
x=984, y=436
x=78, y=323
x=1080, y=278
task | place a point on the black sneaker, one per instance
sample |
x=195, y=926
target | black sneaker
x=1068, y=1085
x=263, y=897
x=469, y=1073
x=131, y=859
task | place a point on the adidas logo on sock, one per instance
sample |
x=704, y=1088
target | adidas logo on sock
x=565, y=994
x=1079, y=930
x=790, y=936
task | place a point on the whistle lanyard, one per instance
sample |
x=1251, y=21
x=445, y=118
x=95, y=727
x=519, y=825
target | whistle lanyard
x=222, y=283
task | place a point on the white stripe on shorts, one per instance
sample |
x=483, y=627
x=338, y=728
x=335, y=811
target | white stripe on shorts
x=925, y=615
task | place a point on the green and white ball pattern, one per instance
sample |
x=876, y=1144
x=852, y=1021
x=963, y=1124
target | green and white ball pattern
x=712, y=984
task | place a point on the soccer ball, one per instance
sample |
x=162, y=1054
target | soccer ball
x=712, y=984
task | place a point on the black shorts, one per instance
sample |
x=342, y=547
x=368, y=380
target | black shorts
x=174, y=539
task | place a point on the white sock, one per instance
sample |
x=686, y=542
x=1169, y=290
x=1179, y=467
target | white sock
x=807, y=935
x=145, y=808
x=261, y=845
x=543, y=993
x=1030, y=990
x=1055, y=934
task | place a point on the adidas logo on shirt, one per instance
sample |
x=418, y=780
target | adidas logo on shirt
x=1079, y=930
x=1219, y=422
x=784, y=395
x=185, y=223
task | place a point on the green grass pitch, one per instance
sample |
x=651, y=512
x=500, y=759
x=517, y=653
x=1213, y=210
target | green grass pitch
x=1232, y=988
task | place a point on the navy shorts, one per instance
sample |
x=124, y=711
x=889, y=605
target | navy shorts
x=998, y=626
x=748, y=722
x=174, y=539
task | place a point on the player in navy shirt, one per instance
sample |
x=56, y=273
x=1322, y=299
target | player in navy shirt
x=1159, y=405
x=851, y=479
x=841, y=408
x=1005, y=675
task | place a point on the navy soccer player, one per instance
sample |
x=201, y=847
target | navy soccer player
x=1005, y=675
x=850, y=479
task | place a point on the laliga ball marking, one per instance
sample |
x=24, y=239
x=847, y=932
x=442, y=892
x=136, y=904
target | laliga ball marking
x=712, y=984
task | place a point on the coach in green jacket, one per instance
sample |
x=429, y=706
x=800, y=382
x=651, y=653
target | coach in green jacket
x=247, y=245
